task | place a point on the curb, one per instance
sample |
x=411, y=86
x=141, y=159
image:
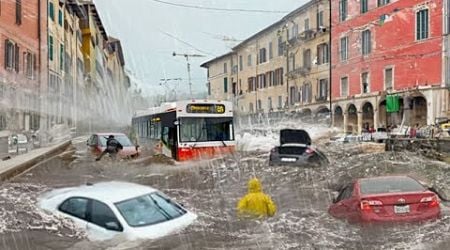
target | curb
x=11, y=171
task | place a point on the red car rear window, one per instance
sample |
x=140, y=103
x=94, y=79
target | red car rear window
x=390, y=185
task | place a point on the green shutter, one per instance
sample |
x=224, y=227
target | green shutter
x=392, y=103
x=50, y=48
x=60, y=17
x=51, y=11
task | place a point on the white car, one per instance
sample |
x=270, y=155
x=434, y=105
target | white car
x=108, y=209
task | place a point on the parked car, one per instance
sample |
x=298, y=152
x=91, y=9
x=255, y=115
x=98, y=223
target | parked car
x=19, y=143
x=386, y=199
x=97, y=144
x=295, y=149
x=108, y=209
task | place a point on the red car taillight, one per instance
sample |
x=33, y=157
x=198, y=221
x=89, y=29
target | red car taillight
x=431, y=201
x=366, y=205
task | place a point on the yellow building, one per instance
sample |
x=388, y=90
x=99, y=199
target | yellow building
x=282, y=68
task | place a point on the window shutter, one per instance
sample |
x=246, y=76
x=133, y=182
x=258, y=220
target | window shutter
x=6, y=54
x=17, y=57
x=34, y=67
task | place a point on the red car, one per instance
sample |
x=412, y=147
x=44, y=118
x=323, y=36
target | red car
x=97, y=144
x=386, y=199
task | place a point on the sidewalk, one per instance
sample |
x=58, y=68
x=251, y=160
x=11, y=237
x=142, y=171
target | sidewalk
x=21, y=163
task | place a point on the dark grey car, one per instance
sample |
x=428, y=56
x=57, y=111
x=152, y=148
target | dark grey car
x=295, y=149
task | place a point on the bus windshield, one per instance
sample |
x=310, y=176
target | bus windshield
x=200, y=129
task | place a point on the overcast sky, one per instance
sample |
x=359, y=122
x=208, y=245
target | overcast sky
x=151, y=31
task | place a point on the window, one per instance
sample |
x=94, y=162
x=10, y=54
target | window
x=262, y=55
x=388, y=78
x=294, y=31
x=209, y=88
x=365, y=82
x=225, y=68
x=343, y=10
x=323, y=89
x=269, y=104
x=61, y=56
x=259, y=107
x=249, y=60
x=366, y=42
x=307, y=59
x=60, y=18
x=291, y=62
x=270, y=50
x=344, y=86
x=344, y=49
x=280, y=102
x=345, y=193
x=292, y=94
x=251, y=84
x=322, y=54
x=225, y=85
x=50, y=48
x=383, y=2
x=281, y=46
x=11, y=56
x=18, y=12
x=250, y=107
x=51, y=11
x=262, y=83
x=75, y=206
x=422, y=24
x=364, y=6
x=320, y=19
x=306, y=22
x=241, y=63
x=278, y=77
x=101, y=214
x=29, y=64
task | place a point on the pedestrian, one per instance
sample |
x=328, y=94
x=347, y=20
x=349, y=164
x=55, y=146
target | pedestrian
x=413, y=131
x=256, y=203
x=112, y=147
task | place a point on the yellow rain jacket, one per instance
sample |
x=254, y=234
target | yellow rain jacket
x=256, y=203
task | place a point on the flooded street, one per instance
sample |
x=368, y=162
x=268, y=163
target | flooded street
x=212, y=188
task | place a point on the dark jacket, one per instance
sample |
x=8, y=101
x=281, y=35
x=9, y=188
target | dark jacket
x=113, y=145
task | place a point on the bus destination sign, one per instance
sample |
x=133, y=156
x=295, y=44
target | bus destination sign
x=206, y=108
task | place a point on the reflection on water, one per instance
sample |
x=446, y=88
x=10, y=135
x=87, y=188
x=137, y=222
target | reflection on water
x=211, y=189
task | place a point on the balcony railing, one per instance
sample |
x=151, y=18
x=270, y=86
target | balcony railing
x=300, y=71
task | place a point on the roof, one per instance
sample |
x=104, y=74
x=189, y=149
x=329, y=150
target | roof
x=265, y=30
x=206, y=64
x=112, y=192
x=118, y=49
x=96, y=16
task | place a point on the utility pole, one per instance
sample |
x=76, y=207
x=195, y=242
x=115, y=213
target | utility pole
x=188, y=67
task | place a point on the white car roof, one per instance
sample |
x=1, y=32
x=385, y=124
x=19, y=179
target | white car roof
x=112, y=192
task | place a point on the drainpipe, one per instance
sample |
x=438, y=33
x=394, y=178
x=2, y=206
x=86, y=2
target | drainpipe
x=330, y=54
x=39, y=56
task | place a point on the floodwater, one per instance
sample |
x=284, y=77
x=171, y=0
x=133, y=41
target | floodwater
x=212, y=188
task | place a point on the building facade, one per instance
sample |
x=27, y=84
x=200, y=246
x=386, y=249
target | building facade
x=284, y=67
x=388, y=63
x=20, y=40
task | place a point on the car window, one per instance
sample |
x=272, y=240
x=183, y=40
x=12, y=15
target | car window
x=345, y=193
x=148, y=209
x=100, y=214
x=75, y=206
x=393, y=184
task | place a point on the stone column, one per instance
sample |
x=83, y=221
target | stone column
x=376, y=118
x=345, y=122
x=359, y=122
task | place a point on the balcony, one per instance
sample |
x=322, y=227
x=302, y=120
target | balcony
x=321, y=99
x=300, y=71
x=308, y=35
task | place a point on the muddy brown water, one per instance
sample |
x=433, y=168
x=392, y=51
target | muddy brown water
x=212, y=188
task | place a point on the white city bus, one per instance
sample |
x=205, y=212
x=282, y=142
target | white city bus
x=188, y=130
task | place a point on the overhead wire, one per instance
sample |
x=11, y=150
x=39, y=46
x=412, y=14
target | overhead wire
x=222, y=9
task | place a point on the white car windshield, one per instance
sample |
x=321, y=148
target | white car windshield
x=149, y=209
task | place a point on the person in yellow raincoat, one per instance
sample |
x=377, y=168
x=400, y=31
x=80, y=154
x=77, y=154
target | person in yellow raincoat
x=256, y=203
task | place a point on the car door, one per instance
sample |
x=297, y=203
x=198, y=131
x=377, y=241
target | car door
x=102, y=222
x=76, y=209
x=342, y=205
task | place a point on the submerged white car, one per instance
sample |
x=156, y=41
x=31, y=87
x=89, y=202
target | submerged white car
x=108, y=209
